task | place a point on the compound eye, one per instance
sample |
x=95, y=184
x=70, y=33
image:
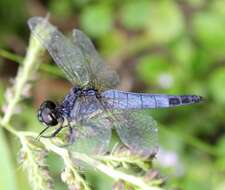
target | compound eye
x=49, y=118
x=48, y=104
x=47, y=113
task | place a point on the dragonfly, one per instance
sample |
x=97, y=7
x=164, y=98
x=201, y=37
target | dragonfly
x=94, y=107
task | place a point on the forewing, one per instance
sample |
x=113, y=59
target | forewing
x=65, y=54
x=137, y=130
x=102, y=77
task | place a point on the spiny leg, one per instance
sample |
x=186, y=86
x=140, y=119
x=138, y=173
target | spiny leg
x=71, y=136
x=53, y=134
x=40, y=134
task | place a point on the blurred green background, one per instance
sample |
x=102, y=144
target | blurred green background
x=174, y=47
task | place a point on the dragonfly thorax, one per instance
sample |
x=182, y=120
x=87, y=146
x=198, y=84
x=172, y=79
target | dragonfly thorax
x=78, y=91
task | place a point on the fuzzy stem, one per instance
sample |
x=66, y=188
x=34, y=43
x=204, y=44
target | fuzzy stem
x=33, y=166
x=115, y=174
x=24, y=74
x=98, y=165
x=50, y=69
x=63, y=153
x=67, y=160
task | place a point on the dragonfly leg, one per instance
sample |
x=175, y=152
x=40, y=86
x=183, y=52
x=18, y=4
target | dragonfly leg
x=40, y=134
x=71, y=135
x=53, y=134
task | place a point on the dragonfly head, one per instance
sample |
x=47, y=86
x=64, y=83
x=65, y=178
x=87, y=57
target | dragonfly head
x=47, y=113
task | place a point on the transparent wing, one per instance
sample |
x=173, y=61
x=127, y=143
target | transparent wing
x=92, y=129
x=94, y=121
x=92, y=137
x=101, y=76
x=65, y=54
x=137, y=130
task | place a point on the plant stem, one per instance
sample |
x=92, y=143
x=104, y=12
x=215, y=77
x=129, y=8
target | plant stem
x=8, y=128
x=50, y=69
x=11, y=56
x=116, y=175
x=24, y=74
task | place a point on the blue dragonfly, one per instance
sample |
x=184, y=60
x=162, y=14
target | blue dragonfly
x=93, y=107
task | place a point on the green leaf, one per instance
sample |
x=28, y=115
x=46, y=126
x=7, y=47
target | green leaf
x=220, y=148
x=196, y=3
x=112, y=43
x=7, y=173
x=220, y=185
x=219, y=7
x=80, y=3
x=97, y=20
x=165, y=21
x=12, y=13
x=209, y=29
x=216, y=85
x=198, y=175
x=150, y=67
x=62, y=9
x=135, y=14
x=1, y=94
x=184, y=51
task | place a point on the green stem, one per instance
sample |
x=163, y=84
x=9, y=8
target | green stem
x=116, y=175
x=63, y=153
x=118, y=159
x=11, y=56
x=67, y=160
x=9, y=128
x=50, y=69
x=38, y=178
